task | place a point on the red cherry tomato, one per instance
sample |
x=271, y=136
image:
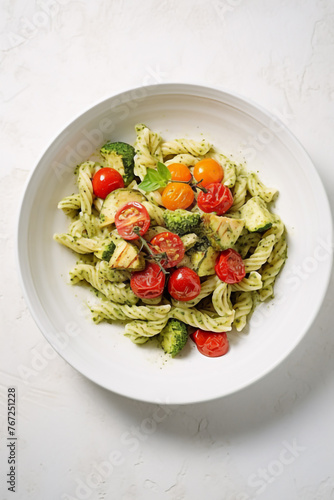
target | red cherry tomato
x=149, y=283
x=208, y=171
x=172, y=245
x=218, y=198
x=105, y=181
x=230, y=267
x=211, y=344
x=129, y=216
x=184, y=284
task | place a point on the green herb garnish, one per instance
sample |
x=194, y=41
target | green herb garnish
x=156, y=179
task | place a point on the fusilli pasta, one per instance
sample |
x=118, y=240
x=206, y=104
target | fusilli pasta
x=108, y=262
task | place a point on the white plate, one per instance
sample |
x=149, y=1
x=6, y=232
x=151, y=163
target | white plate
x=101, y=352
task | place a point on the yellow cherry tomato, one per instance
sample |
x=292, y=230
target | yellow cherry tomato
x=179, y=172
x=208, y=171
x=177, y=195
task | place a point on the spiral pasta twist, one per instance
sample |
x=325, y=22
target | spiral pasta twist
x=145, y=328
x=79, y=245
x=277, y=228
x=247, y=241
x=221, y=300
x=113, y=275
x=76, y=228
x=265, y=293
x=257, y=188
x=70, y=203
x=185, y=146
x=112, y=311
x=148, y=150
x=98, y=202
x=201, y=319
x=230, y=176
x=239, y=193
x=85, y=174
x=261, y=254
x=154, y=197
x=279, y=252
x=119, y=292
x=184, y=158
x=253, y=282
x=91, y=224
x=272, y=268
x=242, y=307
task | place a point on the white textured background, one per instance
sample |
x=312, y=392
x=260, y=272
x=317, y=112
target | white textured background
x=272, y=441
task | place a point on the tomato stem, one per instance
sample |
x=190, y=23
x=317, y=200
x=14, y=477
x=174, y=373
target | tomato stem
x=156, y=257
x=182, y=182
x=193, y=186
x=196, y=185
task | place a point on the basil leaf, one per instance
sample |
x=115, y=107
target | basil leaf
x=155, y=179
x=152, y=175
x=163, y=171
x=148, y=185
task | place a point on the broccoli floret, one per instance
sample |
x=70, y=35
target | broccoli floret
x=173, y=337
x=181, y=221
x=107, y=252
x=120, y=156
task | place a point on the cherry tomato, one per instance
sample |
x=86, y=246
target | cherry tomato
x=208, y=171
x=171, y=244
x=177, y=195
x=230, y=267
x=105, y=181
x=179, y=172
x=149, y=283
x=211, y=344
x=218, y=198
x=129, y=216
x=184, y=284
